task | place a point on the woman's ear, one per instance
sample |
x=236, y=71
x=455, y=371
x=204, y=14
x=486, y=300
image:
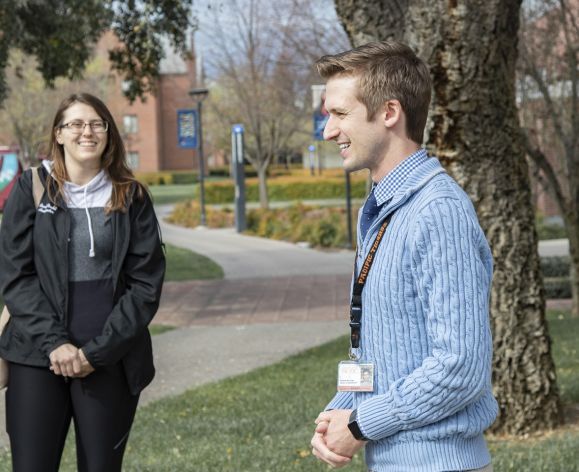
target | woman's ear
x=58, y=136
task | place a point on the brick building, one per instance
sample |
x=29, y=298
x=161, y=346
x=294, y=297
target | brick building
x=149, y=129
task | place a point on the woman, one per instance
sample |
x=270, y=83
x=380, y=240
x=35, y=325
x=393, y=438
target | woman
x=82, y=278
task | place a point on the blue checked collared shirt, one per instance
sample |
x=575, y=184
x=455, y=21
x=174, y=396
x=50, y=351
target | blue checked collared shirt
x=387, y=187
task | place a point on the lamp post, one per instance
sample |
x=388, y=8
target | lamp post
x=198, y=95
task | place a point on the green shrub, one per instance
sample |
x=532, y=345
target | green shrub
x=557, y=287
x=287, y=189
x=549, y=230
x=167, y=177
x=556, y=276
x=320, y=227
x=185, y=177
x=556, y=266
x=155, y=178
x=220, y=192
x=188, y=214
x=222, y=171
x=278, y=171
x=324, y=233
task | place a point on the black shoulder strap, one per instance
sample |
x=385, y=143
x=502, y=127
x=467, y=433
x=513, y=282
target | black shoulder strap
x=37, y=187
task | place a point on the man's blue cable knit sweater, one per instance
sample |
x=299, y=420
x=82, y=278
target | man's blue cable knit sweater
x=425, y=326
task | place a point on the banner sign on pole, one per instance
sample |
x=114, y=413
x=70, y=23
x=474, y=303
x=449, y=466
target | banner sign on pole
x=239, y=175
x=321, y=115
x=320, y=121
x=187, y=129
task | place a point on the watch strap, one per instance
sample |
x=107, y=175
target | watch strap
x=355, y=428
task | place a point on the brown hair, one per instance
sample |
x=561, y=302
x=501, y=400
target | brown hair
x=112, y=161
x=387, y=70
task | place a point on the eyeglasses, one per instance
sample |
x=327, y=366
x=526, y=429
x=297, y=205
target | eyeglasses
x=77, y=127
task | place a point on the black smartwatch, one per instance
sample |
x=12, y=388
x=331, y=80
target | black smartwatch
x=354, y=428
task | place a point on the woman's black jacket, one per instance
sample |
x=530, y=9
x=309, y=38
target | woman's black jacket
x=34, y=284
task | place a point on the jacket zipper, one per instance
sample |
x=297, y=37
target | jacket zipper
x=66, y=256
x=114, y=264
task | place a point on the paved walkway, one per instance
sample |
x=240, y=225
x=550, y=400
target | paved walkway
x=244, y=256
x=277, y=299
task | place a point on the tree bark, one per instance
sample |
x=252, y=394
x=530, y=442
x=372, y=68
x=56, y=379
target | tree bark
x=572, y=225
x=262, y=176
x=470, y=48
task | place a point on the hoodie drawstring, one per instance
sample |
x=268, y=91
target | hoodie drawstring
x=91, y=252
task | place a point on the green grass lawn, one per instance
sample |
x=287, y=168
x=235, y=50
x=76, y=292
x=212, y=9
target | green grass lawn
x=564, y=332
x=263, y=421
x=183, y=264
x=163, y=194
x=156, y=329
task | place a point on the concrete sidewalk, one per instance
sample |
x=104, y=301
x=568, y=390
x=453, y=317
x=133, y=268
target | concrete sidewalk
x=192, y=356
x=243, y=256
x=277, y=299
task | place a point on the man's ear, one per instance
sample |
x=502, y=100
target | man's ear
x=392, y=113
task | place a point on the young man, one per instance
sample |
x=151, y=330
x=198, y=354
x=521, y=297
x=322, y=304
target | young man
x=420, y=301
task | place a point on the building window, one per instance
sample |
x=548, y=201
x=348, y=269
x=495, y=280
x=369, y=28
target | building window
x=133, y=160
x=131, y=123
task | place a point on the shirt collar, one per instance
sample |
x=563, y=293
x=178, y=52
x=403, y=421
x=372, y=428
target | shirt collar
x=387, y=187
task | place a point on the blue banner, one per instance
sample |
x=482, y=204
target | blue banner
x=187, y=122
x=320, y=120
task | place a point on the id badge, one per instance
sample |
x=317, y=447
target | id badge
x=355, y=377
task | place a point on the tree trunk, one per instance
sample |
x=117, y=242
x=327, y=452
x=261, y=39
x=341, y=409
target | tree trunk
x=470, y=48
x=575, y=280
x=572, y=225
x=263, y=198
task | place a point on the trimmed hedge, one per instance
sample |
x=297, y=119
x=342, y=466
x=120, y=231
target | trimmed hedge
x=556, y=276
x=185, y=177
x=557, y=288
x=287, y=189
x=272, y=171
x=318, y=226
x=188, y=214
x=167, y=177
x=556, y=266
x=547, y=231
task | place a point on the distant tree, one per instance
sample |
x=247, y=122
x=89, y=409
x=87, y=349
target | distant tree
x=471, y=50
x=549, y=103
x=261, y=79
x=28, y=110
x=60, y=35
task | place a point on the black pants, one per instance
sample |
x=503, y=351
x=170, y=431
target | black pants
x=40, y=405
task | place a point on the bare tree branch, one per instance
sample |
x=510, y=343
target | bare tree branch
x=533, y=71
x=545, y=166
